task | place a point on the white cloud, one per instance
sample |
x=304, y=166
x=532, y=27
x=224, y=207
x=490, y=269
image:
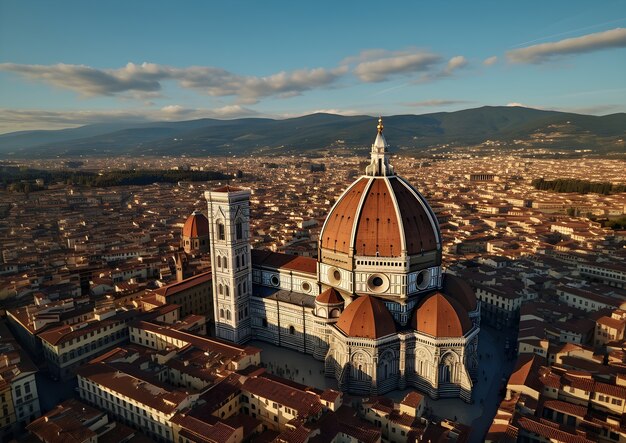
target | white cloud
x=614, y=38
x=146, y=80
x=455, y=63
x=435, y=102
x=513, y=104
x=335, y=111
x=178, y=112
x=490, y=61
x=378, y=65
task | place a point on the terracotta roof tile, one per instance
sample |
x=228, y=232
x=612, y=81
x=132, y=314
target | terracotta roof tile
x=366, y=317
x=329, y=297
x=441, y=316
x=196, y=225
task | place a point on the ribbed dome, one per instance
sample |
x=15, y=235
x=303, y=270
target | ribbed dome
x=196, y=225
x=459, y=290
x=380, y=216
x=366, y=317
x=441, y=316
x=329, y=297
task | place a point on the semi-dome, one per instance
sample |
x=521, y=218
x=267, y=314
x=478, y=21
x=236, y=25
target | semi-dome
x=329, y=297
x=380, y=214
x=441, y=316
x=196, y=225
x=366, y=317
x=461, y=291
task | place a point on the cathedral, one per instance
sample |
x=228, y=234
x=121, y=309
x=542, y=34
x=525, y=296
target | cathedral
x=375, y=305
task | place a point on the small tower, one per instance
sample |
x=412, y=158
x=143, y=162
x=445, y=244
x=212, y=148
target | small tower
x=379, y=163
x=229, y=231
x=195, y=235
x=180, y=267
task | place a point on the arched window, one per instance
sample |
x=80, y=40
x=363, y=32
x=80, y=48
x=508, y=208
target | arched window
x=224, y=263
x=221, y=313
x=243, y=260
x=227, y=314
x=220, y=289
x=239, y=229
x=292, y=330
x=221, y=233
x=237, y=261
x=226, y=290
x=219, y=261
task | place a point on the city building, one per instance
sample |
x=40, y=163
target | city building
x=192, y=294
x=378, y=309
x=195, y=235
x=19, y=397
x=76, y=422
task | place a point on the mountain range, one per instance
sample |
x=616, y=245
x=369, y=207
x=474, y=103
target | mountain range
x=411, y=134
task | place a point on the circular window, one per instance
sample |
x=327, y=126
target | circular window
x=334, y=276
x=378, y=283
x=306, y=286
x=423, y=279
x=274, y=280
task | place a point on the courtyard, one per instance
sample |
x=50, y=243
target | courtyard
x=494, y=369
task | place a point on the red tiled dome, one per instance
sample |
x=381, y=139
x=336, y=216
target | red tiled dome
x=380, y=216
x=441, y=316
x=196, y=225
x=329, y=297
x=459, y=290
x=366, y=317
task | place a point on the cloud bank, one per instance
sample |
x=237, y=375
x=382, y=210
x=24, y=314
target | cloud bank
x=614, y=38
x=147, y=78
x=26, y=119
x=379, y=65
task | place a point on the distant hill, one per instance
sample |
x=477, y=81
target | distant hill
x=315, y=132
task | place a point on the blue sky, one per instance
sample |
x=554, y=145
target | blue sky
x=68, y=63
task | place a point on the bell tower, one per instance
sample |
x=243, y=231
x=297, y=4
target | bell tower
x=229, y=232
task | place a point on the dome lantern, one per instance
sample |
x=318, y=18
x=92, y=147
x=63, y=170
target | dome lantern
x=379, y=164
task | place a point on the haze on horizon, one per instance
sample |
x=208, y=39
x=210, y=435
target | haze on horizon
x=70, y=63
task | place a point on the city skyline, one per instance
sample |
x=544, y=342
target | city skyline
x=69, y=64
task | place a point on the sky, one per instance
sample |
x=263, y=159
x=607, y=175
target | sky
x=68, y=63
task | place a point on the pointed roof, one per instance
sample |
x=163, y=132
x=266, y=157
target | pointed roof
x=366, y=317
x=526, y=372
x=380, y=141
